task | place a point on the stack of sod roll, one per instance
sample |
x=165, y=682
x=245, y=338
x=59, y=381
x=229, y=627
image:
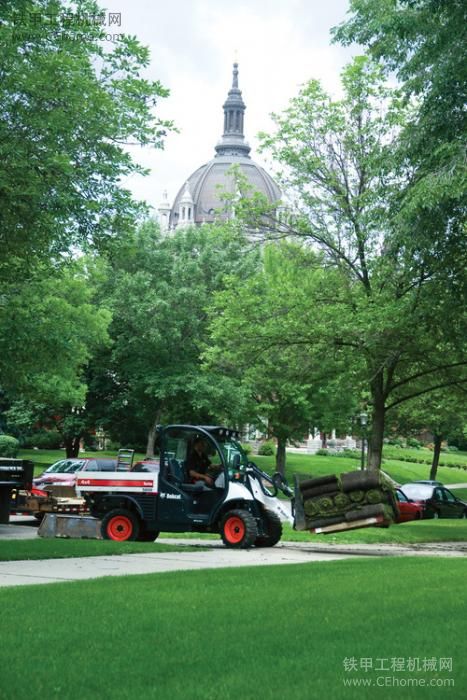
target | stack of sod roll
x=331, y=500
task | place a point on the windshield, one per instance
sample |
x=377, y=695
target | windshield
x=418, y=491
x=234, y=455
x=65, y=466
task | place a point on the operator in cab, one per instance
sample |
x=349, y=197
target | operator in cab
x=199, y=466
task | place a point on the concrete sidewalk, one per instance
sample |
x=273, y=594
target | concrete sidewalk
x=23, y=573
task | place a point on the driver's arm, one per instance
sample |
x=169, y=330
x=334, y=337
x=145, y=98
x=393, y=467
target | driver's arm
x=202, y=477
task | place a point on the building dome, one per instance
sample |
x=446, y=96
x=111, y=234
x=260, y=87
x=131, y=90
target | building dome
x=207, y=183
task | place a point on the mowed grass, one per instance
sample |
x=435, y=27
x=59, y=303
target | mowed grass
x=268, y=632
x=61, y=548
x=402, y=472
x=403, y=533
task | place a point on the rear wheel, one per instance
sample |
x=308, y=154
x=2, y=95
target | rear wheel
x=273, y=527
x=120, y=525
x=148, y=535
x=238, y=529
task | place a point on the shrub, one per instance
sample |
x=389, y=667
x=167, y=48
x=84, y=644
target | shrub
x=46, y=439
x=353, y=454
x=395, y=442
x=247, y=448
x=322, y=452
x=453, y=448
x=413, y=442
x=113, y=446
x=9, y=446
x=267, y=449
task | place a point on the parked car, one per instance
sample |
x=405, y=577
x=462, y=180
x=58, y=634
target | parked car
x=63, y=472
x=146, y=465
x=408, y=509
x=439, y=501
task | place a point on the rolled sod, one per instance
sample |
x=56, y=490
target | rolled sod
x=367, y=512
x=320, y=481
x=360, y=480
x=320, y=490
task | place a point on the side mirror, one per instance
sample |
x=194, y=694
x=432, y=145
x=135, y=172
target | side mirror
x=236, y=461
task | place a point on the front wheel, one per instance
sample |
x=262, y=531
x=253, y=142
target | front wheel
x=238, y=529
x=120, y=525
x=272, y=527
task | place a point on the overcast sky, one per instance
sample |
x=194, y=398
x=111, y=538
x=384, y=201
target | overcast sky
x=279, y=45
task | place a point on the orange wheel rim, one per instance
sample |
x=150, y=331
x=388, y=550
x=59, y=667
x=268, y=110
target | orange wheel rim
x=234, y=530
x=119, y=528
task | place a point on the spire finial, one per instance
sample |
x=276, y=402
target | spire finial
x=233, y=141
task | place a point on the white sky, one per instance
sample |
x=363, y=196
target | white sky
x=279, y=45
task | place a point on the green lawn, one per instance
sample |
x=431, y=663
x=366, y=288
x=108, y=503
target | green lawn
x=393, y=452
x=403, y=533
x=61, y=548
x=285, y=632
x=317, y=465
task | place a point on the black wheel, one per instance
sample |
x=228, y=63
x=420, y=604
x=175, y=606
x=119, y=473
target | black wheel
x=273, y=526
x=148, y=535
x=120, y=525
x=238, y=529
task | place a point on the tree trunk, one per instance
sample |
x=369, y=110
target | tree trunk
x=72, y=446
x=324, y=440
x=152, y=432
x=436, y=454
x=375, y=442
x=281, y=455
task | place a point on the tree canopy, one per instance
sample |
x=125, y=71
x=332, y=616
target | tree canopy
x=68, y=107
x=159, y=290
x=395, y=314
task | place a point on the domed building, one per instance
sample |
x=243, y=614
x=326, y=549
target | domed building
x=199, y=200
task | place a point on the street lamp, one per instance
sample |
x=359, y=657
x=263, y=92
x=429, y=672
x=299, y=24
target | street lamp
x=363, y=423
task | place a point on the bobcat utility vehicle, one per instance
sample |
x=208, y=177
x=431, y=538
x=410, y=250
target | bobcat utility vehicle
x=157, y=495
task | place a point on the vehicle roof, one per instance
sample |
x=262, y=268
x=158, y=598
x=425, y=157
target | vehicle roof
x=217, y=431
x=430, y=482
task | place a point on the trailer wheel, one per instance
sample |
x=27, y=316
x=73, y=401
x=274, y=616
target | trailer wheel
x=273, y=527
x=238, y=529
x=148, y=535
x=120, y=525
